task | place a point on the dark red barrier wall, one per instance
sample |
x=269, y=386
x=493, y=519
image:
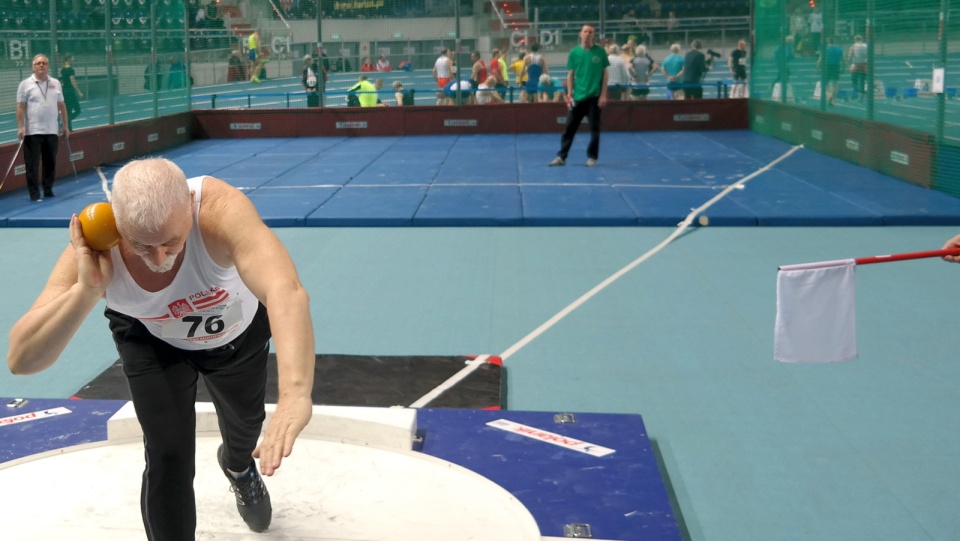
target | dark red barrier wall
x=95, y=146
x=432, y=120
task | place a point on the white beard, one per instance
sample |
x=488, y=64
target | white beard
x=167, y=264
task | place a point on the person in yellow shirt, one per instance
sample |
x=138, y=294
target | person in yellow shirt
x=519, y=69
x=253, y=53
x=366, y=92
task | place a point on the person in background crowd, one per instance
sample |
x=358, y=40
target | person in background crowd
x=401, y=95
x=695, y=68
x=783, y=56
x=498, y=71
x=366, y=65
x=442, y=74
x=177, y=73
x=815, y=25
x=487, y=92
x=153, y=76
x=465, y=88
x=366, y=92
x=310, y=80
x=519, y=69
x=738, y=69
x=831, y=61
x=642, y=67
x=253, y=53
x=550, y=89
x=672, y=68
x=71, y=90
x=587, y=83
x=39, y=101
x=619, y=76
x=235, y=70
x=478, y=73
x=857, y=57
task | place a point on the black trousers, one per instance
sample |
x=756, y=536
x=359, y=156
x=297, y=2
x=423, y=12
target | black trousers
x=37, y=148
x=163, y=383
x=589, y=108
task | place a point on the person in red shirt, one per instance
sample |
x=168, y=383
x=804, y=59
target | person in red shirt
x=479, y=73
x=367, y=64
x=496, y=71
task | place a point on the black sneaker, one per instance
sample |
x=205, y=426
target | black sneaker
x=48, y=193
x=253, y=500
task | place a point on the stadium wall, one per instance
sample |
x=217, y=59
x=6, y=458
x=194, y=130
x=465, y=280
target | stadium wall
x=899, y=152
x=90, y=148
x=432, y=120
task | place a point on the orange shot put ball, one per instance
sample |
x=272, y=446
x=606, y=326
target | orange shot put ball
x=99, y=226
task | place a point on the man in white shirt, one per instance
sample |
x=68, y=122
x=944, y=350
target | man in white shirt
x=39, y=101
x=619, y=76
x=442, y=74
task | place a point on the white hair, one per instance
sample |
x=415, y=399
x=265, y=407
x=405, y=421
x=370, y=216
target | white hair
x=146, y=193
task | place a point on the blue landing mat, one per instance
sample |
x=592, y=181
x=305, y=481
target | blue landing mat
x=621, y=495
x=644, y=178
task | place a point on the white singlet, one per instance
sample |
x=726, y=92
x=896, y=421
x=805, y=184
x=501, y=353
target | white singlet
x=206, y=305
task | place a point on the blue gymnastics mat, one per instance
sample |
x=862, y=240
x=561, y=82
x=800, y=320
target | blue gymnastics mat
x=643, y=179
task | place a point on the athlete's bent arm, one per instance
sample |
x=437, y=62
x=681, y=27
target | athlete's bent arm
x=78, y=281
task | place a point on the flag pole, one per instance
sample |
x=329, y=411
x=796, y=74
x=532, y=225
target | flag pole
x=906, y=256
x=871, y=259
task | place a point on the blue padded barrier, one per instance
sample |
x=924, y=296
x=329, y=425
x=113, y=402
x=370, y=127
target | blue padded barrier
x=478, y=206
x=320, y=172
x=289, y=207
x=782, y=200
x=381, y=206
x=904, y=206
x=667, y=208
x=575, y=205
x=259, y=170
x=53, y=212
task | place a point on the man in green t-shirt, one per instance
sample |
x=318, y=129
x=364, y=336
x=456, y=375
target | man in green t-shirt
x=587, y=84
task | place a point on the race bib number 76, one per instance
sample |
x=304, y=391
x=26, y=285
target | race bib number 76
x=205, y=326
